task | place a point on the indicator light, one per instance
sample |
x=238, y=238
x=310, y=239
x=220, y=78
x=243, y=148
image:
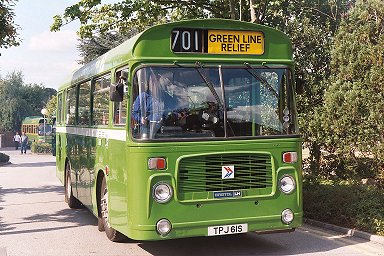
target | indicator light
x=290, y=157
x=157, y=163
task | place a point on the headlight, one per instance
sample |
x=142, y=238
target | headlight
x=287, y=216
x=162, y=192
x=163, y=227
x=287, y=184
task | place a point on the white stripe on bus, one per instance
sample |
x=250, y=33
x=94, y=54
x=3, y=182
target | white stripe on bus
x=94, y=132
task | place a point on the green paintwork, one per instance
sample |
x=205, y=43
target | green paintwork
x=32, y=120
x=133, y=211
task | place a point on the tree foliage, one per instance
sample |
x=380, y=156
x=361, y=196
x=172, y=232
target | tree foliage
x=51, y=106
x=97, y=18
x=353, y=117
x=312, y=31
x=8, y=29
x=20, y=100
x=91, y=48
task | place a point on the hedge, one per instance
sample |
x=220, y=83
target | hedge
x=41, y=147
x=348, y=205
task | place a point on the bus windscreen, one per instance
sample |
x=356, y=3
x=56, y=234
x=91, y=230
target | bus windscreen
x=211, y=102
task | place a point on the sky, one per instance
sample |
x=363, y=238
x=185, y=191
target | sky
x=43, y=57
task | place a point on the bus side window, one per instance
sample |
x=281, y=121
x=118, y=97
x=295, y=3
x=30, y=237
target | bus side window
x=84, y=103
x=71, y=106
x=120, y=108
x=117, y=89
x=100, y=101
x=59, y=118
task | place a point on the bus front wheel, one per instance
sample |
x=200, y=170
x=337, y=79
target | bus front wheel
x=112, y=234
x=72, y=201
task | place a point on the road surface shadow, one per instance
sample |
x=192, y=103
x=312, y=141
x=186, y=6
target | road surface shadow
x=39, y=164
x=224, y=245
x=32, y=190
x=79, y=217
x=243, y=244
x=5, y=226
x=67, y=218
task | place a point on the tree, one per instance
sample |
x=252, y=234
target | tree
x=21, y=100
x=8, y=29
x=312, y=30
x=91, y=48
x=51, y=106
x=353, y=117
x=16, y=108
x=97, y=19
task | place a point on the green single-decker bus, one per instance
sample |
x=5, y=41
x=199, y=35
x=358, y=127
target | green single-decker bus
x=37, y=129
x=186, y=129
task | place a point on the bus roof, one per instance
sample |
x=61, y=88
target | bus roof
x=154, y=45
x=32, y=120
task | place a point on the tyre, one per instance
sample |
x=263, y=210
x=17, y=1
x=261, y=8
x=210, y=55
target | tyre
x=112, y=234
x=72, y=201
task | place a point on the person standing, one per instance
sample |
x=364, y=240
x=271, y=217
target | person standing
x=24, y=143
x=17, y=140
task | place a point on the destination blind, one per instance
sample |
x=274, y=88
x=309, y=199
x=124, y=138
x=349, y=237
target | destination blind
x=217, y=41
x=235, y=42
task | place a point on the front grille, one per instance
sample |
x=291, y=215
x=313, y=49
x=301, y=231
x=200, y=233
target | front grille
x=203, y=173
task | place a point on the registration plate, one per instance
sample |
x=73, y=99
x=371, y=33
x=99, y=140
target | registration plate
x=227, y=229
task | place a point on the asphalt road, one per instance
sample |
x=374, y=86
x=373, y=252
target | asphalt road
x=34, y=220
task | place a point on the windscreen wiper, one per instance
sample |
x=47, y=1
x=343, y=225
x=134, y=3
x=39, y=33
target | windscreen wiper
x=217, y=98
x=209, y=84
x=261, y=79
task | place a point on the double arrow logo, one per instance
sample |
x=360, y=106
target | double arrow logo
x=228, y=172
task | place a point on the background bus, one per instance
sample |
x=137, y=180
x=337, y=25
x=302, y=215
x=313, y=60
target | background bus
x=186, y=129
x=33, y=126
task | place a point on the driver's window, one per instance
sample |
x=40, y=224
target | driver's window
x=120, y=108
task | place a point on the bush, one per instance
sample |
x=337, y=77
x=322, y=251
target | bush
x=339, y=168
x=41, y=147
x=352, y=206
x=4, y=158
